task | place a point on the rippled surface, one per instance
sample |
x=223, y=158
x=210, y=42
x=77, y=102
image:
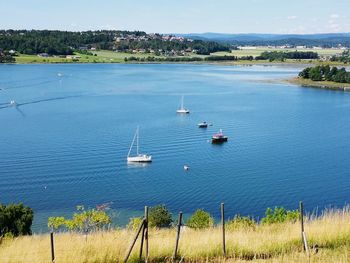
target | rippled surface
x=66, y=143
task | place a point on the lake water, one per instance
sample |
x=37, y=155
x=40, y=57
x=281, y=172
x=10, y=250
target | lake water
x=67, y=141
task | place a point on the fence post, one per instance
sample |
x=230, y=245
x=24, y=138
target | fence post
x=52, y=248
x=179, y=223
x=134, y=241
x=142, y=238
x=223, y=229
x=146, y=234
x=303, y=236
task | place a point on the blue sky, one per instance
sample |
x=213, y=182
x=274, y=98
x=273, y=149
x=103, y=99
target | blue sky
x=180, y=16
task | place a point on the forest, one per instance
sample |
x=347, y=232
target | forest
x=326, y=73
x=54, y=42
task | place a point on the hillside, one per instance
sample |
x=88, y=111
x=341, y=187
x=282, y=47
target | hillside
x=325, y=40
x=261, y=243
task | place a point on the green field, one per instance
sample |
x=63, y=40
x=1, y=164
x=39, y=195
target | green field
x=105, y=56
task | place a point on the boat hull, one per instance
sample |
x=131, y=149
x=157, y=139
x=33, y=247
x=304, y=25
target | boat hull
x=183, y=111
x=219, y=140
x=140, y=159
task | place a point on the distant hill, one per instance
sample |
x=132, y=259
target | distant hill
x=327, y=40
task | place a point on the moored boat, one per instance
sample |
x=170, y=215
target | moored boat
x=219, y=137
x=138, y=158
x=203, y=124
x=182, y=109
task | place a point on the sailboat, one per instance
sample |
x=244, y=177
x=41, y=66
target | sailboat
x=182, y=108
x=139, y=158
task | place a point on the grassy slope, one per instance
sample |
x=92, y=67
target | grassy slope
x=265, y=243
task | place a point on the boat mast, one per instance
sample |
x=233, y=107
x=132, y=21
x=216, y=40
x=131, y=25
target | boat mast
x=132, y=144
x=182, y=102
x=137, y=140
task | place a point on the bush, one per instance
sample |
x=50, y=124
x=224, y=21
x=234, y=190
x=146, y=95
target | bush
x=280, y=215
x=159, y=216
x=134, y=223
x=15, y=219
x=200, y=219
x=83, y=220
x=240, y=222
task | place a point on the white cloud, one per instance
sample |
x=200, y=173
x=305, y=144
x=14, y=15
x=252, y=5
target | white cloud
x=334, y=16
x=292, y=17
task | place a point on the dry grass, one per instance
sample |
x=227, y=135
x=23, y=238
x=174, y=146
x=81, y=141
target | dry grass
x=265, y=243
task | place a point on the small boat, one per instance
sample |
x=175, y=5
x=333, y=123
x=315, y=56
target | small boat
x=13, y=103
x=186, y=167
x=203, y=124
x=182, y=109
x=138, y=158
x=219, y=137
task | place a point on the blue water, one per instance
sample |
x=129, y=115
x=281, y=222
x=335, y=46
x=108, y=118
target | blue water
x=66, y=143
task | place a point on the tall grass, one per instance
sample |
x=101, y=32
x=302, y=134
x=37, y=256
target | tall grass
x=263, y=243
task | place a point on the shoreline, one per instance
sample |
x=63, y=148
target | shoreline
x=330, y=85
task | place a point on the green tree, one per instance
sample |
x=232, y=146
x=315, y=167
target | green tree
x=200, y=219
x=159, y=216
x=82, y=221
x=279, y=215
x=15, y=219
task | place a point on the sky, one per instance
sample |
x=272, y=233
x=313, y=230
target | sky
x=180, y=16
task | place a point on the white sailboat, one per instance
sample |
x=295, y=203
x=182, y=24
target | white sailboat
x=182, y=109
x=139, y=158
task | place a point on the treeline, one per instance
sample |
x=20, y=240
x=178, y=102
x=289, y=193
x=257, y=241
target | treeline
x=326, y=73
x=55, y=42
x=179, y=59
x=344, y=57
x=283, y=55
x=198, y=46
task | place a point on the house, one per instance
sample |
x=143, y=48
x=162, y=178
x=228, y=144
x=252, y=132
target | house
x=43, y=55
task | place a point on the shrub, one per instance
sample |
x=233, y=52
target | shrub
x=200, y=219
x=159, y=216
x=134, y=223
x=280, y=215
x=15, y=219
x=240, y=222
x=83, y=220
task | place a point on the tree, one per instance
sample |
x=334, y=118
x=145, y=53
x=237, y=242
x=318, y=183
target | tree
x=159, y=216
x=82, y=221
x=280, y=215
x=315, y=73
x=200, y=219
x=15, y=219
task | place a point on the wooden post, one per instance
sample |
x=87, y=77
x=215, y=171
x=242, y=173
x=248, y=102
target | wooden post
x=52, y=248
x=179, y=223
x=146, y=234
x=303, y=235
x=301, y=214
x=134, y=240
x=223, y=229
x=142, y=238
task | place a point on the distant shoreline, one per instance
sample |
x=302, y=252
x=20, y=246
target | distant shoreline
x=319, y=84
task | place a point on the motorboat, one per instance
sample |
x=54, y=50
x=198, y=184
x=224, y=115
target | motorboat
x=219, y=137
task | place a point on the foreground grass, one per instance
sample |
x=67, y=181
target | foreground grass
x=263, y=243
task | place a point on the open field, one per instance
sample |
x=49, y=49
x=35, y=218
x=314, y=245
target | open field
x=261, y=243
